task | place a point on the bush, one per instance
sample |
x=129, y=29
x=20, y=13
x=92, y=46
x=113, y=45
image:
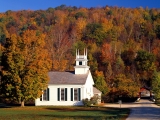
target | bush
x=86, y=102
x=92, y=101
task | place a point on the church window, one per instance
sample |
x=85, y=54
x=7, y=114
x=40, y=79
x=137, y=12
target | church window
x=80, y=62
x=45, y=95
x=62, y=94
x=75, y=94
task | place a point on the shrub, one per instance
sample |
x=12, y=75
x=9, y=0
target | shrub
x=86, y=102
x=92, y=101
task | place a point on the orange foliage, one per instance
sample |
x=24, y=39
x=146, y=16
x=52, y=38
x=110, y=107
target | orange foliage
x=98, y=73
x=60, y=65
x=106, y=53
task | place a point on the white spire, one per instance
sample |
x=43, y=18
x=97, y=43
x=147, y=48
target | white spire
x=81, y=66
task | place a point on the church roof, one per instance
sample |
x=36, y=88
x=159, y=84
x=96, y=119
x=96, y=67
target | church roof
x=67, y=78
x=96, y=91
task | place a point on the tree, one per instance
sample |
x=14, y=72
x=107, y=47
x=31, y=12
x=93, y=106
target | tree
x=25, y=67
x=156, y=85
x=144, y=63
x=124, y=86
x=158, y=31
x=92, y=56
x=107, y=59
x=106, y=53
x=128, y=57
x=95, y=32
x=80, y=15
x=79, y=27
x=144, y=60
x=100, y=82
x=79, y=45
x=156, y=51
x=119, y=65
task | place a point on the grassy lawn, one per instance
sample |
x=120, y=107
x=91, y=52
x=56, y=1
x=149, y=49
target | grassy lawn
x=62, y=113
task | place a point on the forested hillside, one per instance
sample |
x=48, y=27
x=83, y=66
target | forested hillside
x=123, y=43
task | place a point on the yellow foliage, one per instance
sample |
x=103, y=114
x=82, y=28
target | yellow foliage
x=126, y=86
x=61, y=17
x=107, y=24
x=80, y=25
x=83, y=10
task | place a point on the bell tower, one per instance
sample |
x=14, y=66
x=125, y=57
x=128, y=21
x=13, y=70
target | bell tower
x=81, y=63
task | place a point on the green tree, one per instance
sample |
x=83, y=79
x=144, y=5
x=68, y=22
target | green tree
x=144, y=60
x=95, y=32
x=144, y=63
x=156, y=85
x=80, y=15
x=119, y=65
x=92, y=56
x=25, y=67
x=80, y=45
x=100, y=82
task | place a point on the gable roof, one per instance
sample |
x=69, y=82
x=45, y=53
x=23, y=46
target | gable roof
x=96, y=91
x=67, y=78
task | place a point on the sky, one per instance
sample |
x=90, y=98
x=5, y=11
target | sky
x=16, y=5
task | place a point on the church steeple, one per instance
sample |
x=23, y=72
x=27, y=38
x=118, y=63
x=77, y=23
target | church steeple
x=81, y=63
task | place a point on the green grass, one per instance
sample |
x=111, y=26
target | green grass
x=62, y=113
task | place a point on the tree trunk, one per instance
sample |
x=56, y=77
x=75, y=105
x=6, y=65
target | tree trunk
x=22, y=103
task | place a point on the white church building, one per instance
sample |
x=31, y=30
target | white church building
x=69, y=88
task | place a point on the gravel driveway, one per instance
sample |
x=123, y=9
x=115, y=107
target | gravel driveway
x=142, y=110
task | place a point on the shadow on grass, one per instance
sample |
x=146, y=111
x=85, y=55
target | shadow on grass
x=93, y=113
x=115, y=117
x=74, y=108
x=101, y=108
x=2, y=105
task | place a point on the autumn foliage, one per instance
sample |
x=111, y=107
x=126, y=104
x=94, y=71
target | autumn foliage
x=25, y=66
x=115, y=38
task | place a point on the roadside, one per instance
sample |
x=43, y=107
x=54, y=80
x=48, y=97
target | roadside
x=142, y=110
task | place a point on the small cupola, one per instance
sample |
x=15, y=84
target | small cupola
x=81, y=63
